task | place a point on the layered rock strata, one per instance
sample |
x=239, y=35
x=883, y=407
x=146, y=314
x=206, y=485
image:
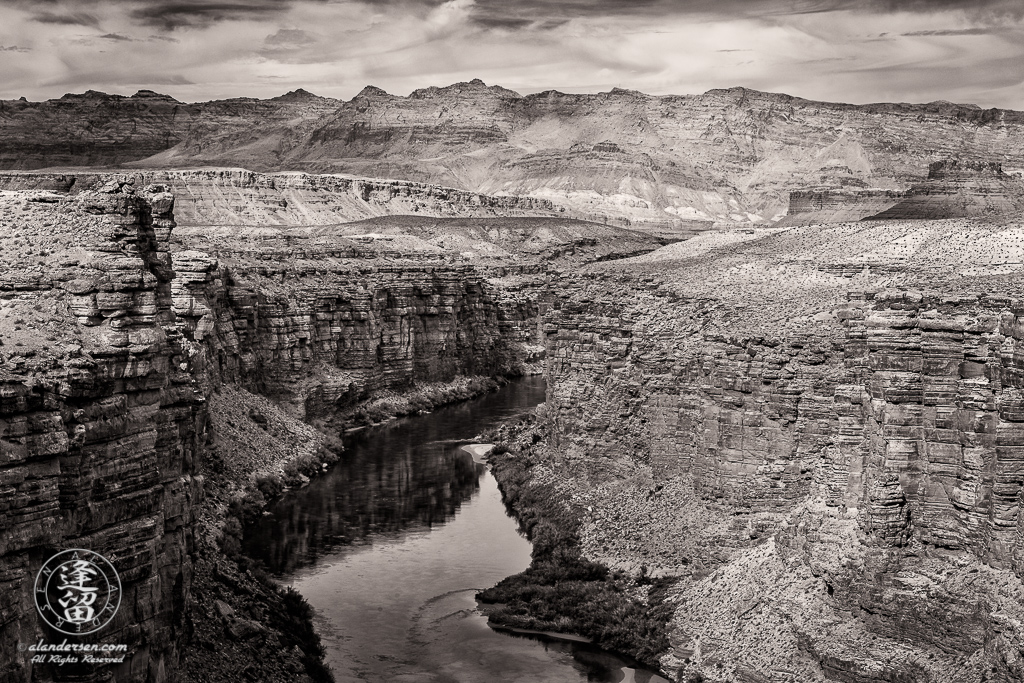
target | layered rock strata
x=820, y=438
x=721, y=156
x=953, y=189
x=838, y=205
x=240, y=197
x=100, y=424
x=322, y=335
x=956, y=189
x=115, y=340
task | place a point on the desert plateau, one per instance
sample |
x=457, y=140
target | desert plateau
x=745, y=369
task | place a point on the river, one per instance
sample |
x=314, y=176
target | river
x=391, y=545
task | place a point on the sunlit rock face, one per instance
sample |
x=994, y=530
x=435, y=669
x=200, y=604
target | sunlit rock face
x=820, y=432
x=218, y=197
x=671, y=163
x=954, y=188
x=100, y=425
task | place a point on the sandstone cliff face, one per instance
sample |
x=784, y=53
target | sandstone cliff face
x=100, y=427
x=956, y=189
x=723, y=156
x=115, y=338
x=318, y=336
x=821, y=440
x=827, y=205
x=953, y=189
x=239, y=197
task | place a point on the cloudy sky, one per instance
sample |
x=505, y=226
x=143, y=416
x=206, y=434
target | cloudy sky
x=838, y=50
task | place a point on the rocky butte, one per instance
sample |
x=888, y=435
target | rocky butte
x=809, y=431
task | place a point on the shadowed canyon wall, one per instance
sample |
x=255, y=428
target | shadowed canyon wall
x=114, y=341
x=100, y=423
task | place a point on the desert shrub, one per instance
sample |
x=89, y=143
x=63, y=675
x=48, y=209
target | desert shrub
x=270, y=485
x=248, y=507
x=328, y=456
x=308, y=465
x=563, y=591
x=295, y=622
x=231, y=537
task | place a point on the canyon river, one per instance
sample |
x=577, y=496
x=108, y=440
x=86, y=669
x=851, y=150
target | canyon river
x=391, y=545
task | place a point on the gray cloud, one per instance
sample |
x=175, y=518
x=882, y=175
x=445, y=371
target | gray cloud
x=529, y=13
x=197, y=13
x=264, y=47
x=983, y=31
x=521, y=15
x=290, y=37
x=70, y=19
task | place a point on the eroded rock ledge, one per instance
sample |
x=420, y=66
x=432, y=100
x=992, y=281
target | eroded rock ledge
x=133, y=367
x=236, y=196
x=101, y=425
x=819, y=437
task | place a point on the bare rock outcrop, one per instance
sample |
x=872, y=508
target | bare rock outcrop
x=838, y=205
x=817, y=436
x=100, y=425
x=671, y=162
x=954, y=188
x=240, y=197
x=960, y=189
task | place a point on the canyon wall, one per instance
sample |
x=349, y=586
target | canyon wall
x=240, y=197
x=954, y=188
x=821, y=442
x=318, y=336
x=115, y=341
x=830, y=205
x=100, y=424
x=960, y=189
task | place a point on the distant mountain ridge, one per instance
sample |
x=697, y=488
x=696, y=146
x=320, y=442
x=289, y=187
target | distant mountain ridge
x=729, y=155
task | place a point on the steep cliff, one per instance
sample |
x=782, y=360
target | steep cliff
x=670, y=162
x=100, y=424
x=145, y=378
x=956, y=189
x=319, y=336
x=833, y=205
x=818, y=433
x=953, y=189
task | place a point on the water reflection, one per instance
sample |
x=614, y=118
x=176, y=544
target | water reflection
x=374, y=491
x=392, y=545
x=403, y=475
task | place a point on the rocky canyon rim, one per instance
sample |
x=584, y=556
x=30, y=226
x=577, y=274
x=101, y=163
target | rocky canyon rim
x=808, y=428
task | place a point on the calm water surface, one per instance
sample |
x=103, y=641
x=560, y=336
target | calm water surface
x=392, y=544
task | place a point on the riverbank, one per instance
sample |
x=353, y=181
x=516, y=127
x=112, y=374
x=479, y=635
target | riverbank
x=392, y=544
x=243, y=622
x=562, y=590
